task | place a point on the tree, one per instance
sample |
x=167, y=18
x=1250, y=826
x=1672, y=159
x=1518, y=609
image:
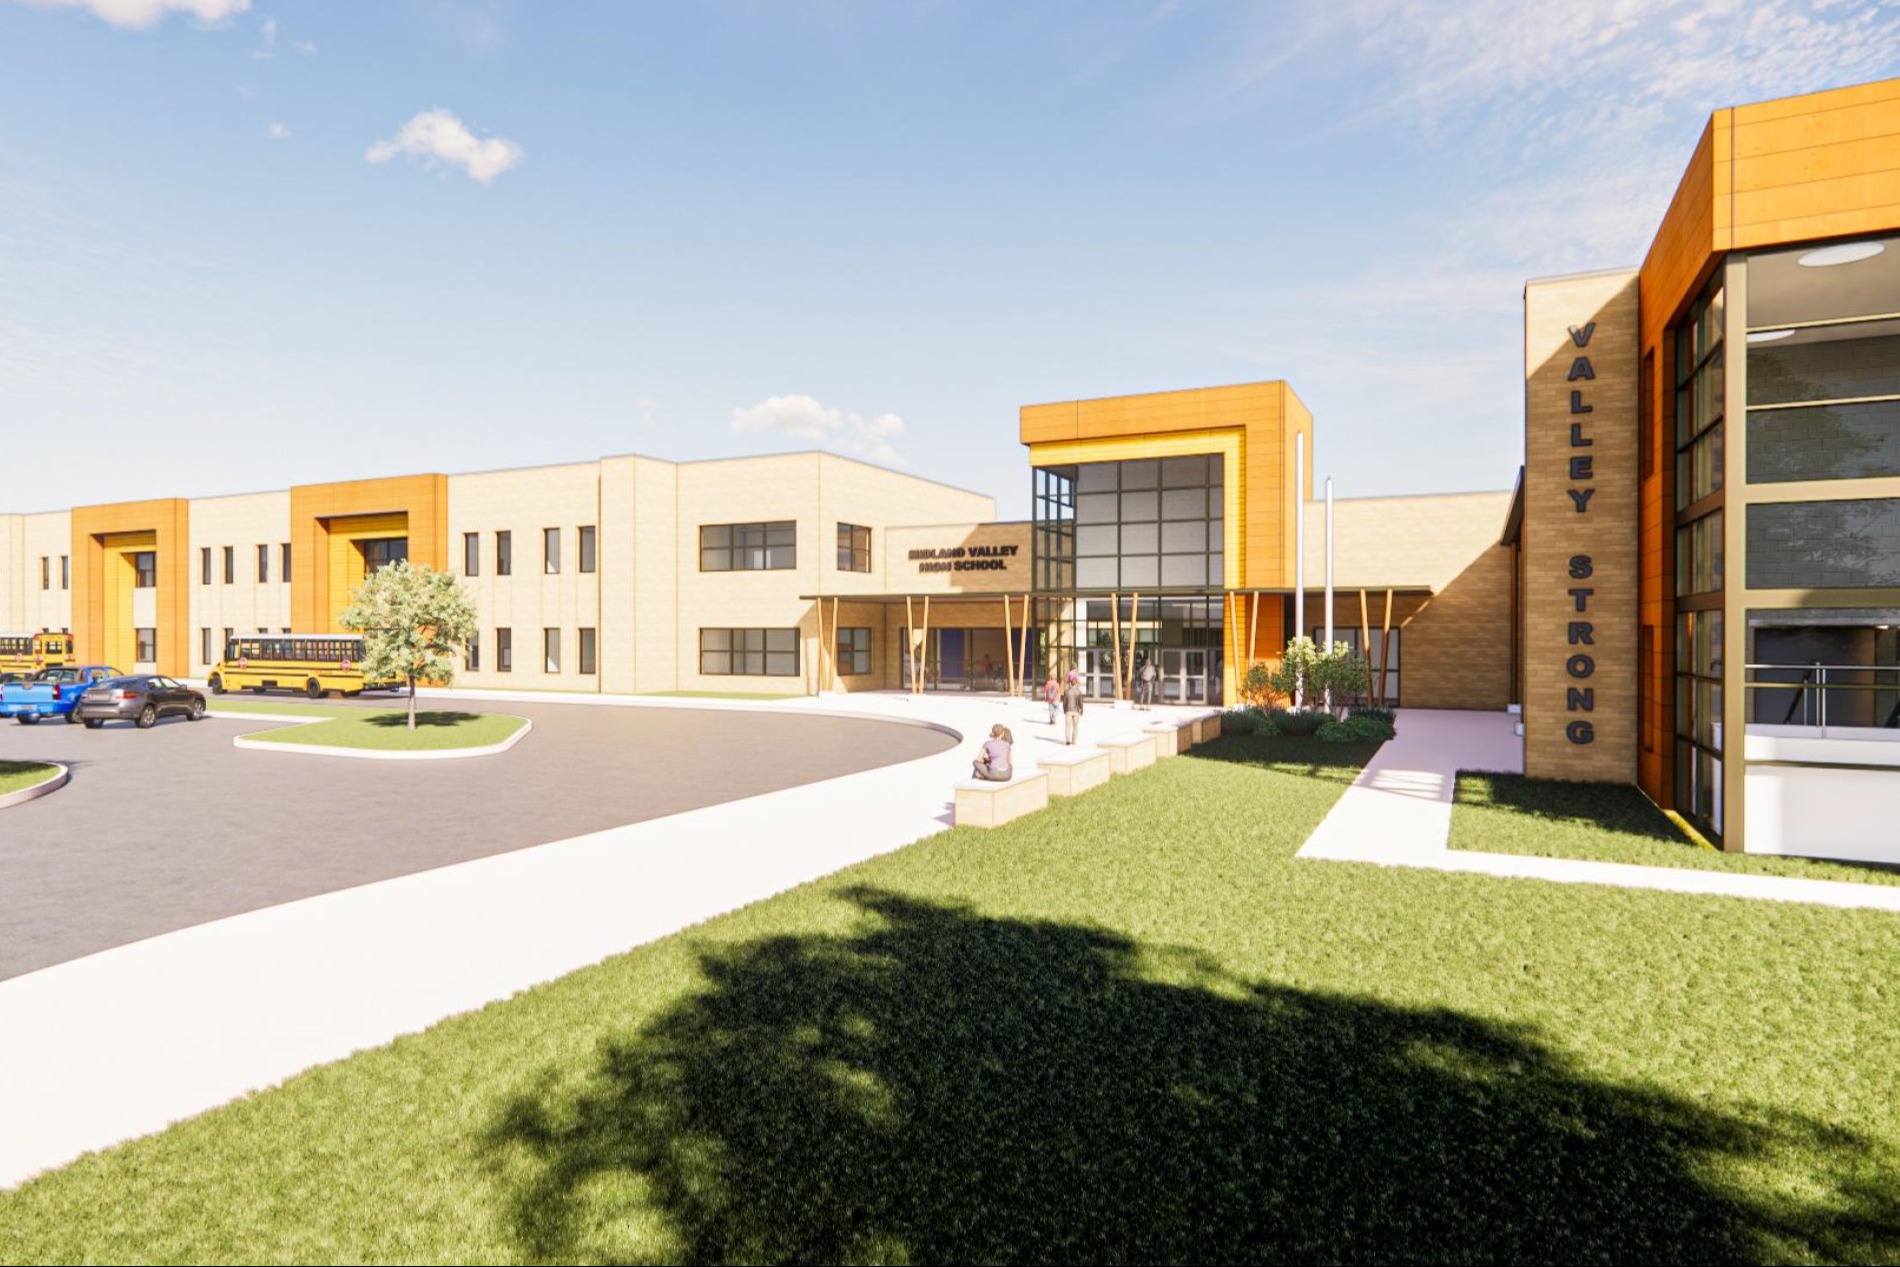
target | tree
x=415, y=622
x=1308, y=673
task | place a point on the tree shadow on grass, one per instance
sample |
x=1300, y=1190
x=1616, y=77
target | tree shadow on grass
x=425, y=717
x=943, y=1087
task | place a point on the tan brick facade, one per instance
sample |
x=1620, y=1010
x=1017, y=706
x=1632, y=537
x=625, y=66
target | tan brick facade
x=1580, y=528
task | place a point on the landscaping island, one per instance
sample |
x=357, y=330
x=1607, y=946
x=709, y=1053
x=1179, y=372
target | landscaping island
x=22, y=776
x=375, y=730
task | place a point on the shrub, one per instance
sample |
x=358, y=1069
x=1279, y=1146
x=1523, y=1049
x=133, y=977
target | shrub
x=1257, y=688
x=1239, y=721
x=1365, y=725
x=1298, y=721
x=1336, y=732
x=1389, y=716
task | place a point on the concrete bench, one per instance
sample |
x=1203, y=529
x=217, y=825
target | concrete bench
x=1169, y=741
x=1129, y=752
x=1075, y=770
x=984, y=804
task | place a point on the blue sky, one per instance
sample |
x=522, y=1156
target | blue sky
x=249, y=244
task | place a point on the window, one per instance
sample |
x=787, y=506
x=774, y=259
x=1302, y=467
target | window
x=1824, y=545
x=46, y=572
x=504, y=554
x=1141, y=524
x=748, y=652
x=1698, y=681
x=762, y=547
x=472, y=654
x=145, y=566
x=65, y=571
x=588, y=560
x=551, y=551
x=228, y=631
x=854, y=652
x=589, y=650
x=204, y=565
x=147, y=640
x=551, y=650
x=384, y=551
x=504, y=651
x=263, y=565
x=471, y=554
x=204, y=646
x=854, y=548
x=1646, y=416
x=283, y=572
x=1651, y=684
x=230, y=565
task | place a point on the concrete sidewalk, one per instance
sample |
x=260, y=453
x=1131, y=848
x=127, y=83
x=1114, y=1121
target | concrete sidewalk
x=124, y=1042
x=1398, y=813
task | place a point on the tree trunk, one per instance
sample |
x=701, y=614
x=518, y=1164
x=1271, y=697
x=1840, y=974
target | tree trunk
x=412, y=701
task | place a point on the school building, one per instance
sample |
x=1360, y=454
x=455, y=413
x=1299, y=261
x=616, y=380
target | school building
x=1710, y=612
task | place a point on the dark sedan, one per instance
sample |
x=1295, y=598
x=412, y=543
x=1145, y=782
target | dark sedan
x=141, y=699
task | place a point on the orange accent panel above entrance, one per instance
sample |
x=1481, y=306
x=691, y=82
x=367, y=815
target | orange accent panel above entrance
x=326, y=520
x=105, y=541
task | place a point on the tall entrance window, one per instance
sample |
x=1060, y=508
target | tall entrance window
x=1700, y=413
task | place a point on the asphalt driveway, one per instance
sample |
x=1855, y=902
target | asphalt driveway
x=171, y=827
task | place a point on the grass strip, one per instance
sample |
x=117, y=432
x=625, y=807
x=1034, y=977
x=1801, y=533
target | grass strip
x=1130, y=1028
x=436, y=730
x=18, y=776
x=1545, y=818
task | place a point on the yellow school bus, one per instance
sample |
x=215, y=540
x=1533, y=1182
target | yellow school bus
x=29, y=653
x=315, y=664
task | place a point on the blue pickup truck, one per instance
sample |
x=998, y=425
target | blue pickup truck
x=51, y=692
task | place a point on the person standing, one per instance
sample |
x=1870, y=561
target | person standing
x=1148, y=676
x=1072, y=708
x=1051, y=695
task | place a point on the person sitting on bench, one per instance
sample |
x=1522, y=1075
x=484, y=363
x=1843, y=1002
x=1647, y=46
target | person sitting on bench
x=992, y=763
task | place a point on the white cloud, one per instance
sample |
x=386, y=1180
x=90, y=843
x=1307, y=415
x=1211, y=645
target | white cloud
x=803, y=418
x=437, y=136
x=277, y=132
x=307, y=47
x=142, y=14
x=267, y=40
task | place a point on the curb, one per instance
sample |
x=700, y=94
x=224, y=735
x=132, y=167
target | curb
x=251, y=744
x=61, y=777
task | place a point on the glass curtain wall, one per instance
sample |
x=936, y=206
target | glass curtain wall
x=1154, y=527
x=1700, y=369
x=1823, y=372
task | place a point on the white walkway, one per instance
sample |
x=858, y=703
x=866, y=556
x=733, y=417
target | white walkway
x=1398, y=813
x=122, y=1043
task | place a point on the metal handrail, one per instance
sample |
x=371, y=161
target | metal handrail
x=1814, y=678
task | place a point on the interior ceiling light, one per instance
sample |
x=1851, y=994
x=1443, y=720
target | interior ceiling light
x=1845, y=253
x=1767, y=336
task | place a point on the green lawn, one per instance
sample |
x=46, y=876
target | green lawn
x=1508, y=813
x=18, y=776
x=1131, y=1028
x=435, y=730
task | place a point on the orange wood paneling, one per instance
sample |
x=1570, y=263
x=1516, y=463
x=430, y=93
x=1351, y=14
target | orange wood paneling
x=168, y=519
x=1821, y=165
x=1268, y=414
x=423, y=498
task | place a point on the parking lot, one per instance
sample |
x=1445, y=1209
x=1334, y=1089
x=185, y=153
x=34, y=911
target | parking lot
x=171, y=827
